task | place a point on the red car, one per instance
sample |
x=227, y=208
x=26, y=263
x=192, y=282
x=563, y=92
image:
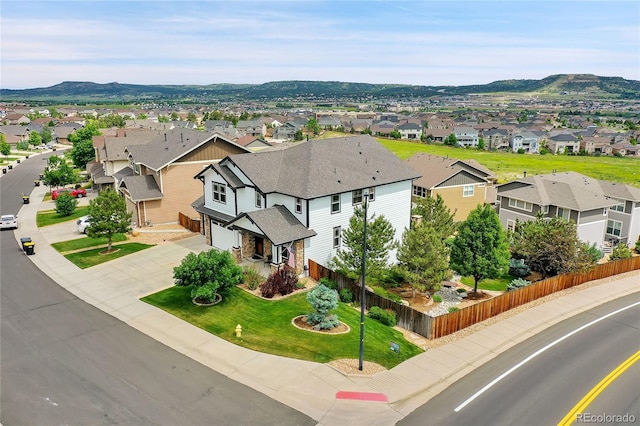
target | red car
x=75, y=193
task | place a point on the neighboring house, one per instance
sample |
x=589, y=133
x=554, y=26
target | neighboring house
x=625, y=149
x=525, y=140
x=62, y=131
x=254, y=143
x=466, y=136
x=158, y=184
x=563, y=143
x=287, y=131
x=411, y=131
x=461, y=184
x=291, y=204
x=16, y=119
x=15, y=133
x=497, y=139
x=328, y=122
x=252, y=128
x=602, y=210
x=383, y=128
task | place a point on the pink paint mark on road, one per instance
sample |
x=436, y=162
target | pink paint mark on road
x=362, y=396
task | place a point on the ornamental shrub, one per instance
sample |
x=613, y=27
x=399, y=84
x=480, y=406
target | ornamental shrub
x=385, y=316
x=251, y=277
x=638, y=246
x=283, y=281
x=620, y=252
x=323, y=300
x=517, y=283
x=346, y=296
x=437, y=298
x=518, y=268
x=453, y=309
x=65, y=204
x=329, y=283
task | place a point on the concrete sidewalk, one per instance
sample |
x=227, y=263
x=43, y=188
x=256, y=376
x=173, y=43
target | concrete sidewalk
x=116, y=287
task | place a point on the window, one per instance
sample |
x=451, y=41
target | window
x=372, y=194
x=419, y=192
x=564, y=213
x=519, y=204
x=620, y=206
x=258, y=200
x=614, y=227
x=220, y=192
x=337, y=237
x=298, y=205
x=544, y=209
x=335, y=203
x=511, y=225
x=467, y=191
x=356, y=197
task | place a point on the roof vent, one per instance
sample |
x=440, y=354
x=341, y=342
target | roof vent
x=166, y=148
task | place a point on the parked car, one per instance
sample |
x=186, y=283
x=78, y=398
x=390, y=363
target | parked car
x=75, y=193
x=8, y=221
x=83, y=223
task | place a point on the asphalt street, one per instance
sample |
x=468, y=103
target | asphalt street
x=66, y=362
x=546, y=388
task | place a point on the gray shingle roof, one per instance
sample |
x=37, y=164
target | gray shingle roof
x=199, y=206
x=141, y=188
x=436, y=169
x=572, y=190
x=278, y=224
x=324, y=166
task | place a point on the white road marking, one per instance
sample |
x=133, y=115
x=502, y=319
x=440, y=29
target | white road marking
x=538, y=352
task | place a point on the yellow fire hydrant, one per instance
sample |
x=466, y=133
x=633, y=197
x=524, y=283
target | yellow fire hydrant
x=238, y=330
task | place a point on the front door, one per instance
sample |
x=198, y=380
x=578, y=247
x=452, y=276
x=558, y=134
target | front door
x=259, y=251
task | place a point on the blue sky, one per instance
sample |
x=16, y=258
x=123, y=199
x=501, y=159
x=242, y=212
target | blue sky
x=423, y=43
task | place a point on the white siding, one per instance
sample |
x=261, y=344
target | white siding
x=229, y=207
x=391, y=201
x=592, y=232
x=290, y=203
x=634, y=228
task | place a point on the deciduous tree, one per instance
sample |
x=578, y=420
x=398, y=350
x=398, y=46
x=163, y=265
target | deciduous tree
x=109, y=216
x=480, y=248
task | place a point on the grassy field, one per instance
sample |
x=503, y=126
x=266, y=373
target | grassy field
x=88, y=258
x=508, y=166
x=266, y=327
x=86, y=242
x=50, y=217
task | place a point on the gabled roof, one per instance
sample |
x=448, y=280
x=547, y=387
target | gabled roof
x=323, y=167
x=570, y=190
x=141, y=188
x=435, y=169
x=276, y=223
x=171, y=145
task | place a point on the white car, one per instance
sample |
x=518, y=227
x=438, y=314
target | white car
x=9, y=221
x=83, y=223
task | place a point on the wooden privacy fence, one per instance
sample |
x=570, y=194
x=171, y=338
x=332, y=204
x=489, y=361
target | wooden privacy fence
x=435, y=327
x=408, y=318
x=192, y=225
x=454, y=321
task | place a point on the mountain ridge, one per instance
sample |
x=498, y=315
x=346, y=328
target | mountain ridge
x=559, y=84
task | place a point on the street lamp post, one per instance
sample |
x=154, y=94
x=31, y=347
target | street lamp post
x=365, y=201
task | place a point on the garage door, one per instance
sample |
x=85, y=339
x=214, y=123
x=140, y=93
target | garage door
x=221, y=237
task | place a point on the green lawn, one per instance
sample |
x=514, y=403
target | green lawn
x=498, y=284
x=50, y=217
x=508, y=166
x=86, y=242
x=88, y=258
x=266, y=327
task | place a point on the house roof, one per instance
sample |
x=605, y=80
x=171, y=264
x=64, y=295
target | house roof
x=141, y=188
x=322, y=167
x=570, y=190
x=277, y=224
x=115, y=147
x=167, y=147
x=199, y=206
x=435, y=169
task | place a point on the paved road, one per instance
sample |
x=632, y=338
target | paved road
x=545, y=389
x=66, y=362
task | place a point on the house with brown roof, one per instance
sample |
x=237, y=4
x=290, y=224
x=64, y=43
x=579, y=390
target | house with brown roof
x=603, y=211
x=462, y=184
x=160, y=182
x=290, y=204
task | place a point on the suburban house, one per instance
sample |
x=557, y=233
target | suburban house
x=466, y=136
x=604, y=212
x=563, y=143
x=411, y=131
x=383, y=128
x=287, y=131
x=251, y=127
x=160, y=182
x=254, y=143
x=463, y=185
x=496, y=139
x=290, y=204
x=525, y=140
